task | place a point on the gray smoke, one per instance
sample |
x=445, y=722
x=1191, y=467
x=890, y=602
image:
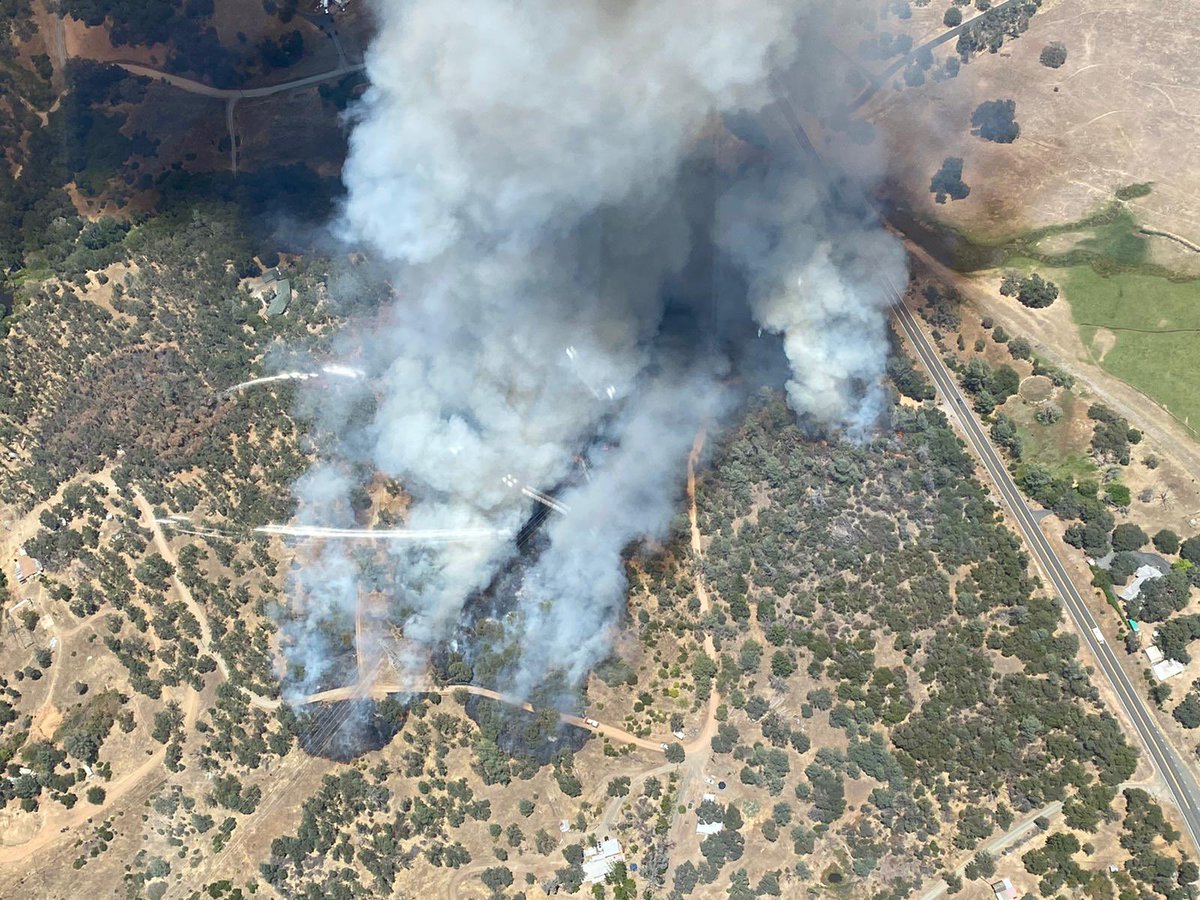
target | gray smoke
x=519, y=167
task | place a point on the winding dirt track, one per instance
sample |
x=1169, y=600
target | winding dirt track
x=185, y=594
x=151, y=772
x=382, y=689
x=700, y=747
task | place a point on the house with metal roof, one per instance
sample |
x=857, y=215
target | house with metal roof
x=281, y=298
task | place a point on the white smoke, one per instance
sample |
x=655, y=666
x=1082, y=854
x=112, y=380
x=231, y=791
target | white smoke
x=827, y=299
x=518, y=165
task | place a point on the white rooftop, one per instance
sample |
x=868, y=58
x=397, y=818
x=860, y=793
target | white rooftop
x=1140, y=577
x=1168, y=668
x=598, y=860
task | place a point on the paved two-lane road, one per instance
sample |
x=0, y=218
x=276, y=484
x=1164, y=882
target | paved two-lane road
x=192, y=86
x=1178, y=778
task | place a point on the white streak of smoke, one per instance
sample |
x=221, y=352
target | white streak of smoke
x=427, y=536
x=518, y=165
x=333, y=370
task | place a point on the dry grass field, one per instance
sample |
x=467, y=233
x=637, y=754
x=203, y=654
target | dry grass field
x=1122, y=110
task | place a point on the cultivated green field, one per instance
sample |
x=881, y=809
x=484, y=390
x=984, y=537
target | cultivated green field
x=1156, y=327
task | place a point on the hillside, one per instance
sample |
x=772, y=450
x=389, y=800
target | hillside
x=837, y=674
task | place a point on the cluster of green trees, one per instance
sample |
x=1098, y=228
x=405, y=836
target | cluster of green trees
x=1031, y=290
x=897, y=517
x=989, y=31
x=283, y=52
x=947, y=181
x=1144, y=827
x=995, y=120
x=1054, y=55
x=245, y=736
x=922, y=64
x=1054, y=862
x=989, y=387
x=1112, y=435
x=885, y=46
x=12, y=14
x=514, y=743
x=941, y=307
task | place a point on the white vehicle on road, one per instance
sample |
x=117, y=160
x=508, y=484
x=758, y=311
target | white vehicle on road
x=591, y=723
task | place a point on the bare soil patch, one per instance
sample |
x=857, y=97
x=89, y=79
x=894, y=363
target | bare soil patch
x=1037, y=389
x=88, y=42
x=1102, y=342
x=17, y=827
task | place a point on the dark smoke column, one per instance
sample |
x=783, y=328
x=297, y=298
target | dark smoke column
x=518, y=165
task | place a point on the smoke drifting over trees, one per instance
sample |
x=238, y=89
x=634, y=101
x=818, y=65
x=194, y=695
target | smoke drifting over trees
x=526, y=173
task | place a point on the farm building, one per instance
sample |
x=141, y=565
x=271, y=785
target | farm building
x=599, y=859
x=26, y=568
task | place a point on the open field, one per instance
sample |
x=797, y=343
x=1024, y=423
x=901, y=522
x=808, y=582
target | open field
x=1141, y=328
x=1056, y=446
x=1121, y=111
x=1156, y=325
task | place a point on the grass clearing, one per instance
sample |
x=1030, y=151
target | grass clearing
x=1110, y=241
x=1054, y=446
x=1139, y=321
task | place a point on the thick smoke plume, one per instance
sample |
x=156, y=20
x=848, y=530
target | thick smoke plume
x=523, y=169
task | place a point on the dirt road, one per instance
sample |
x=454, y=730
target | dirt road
x=998, y=845
x=60, y=819
x=207, y=90
x=381, y=689
x=700, y=747
x=182, y=590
